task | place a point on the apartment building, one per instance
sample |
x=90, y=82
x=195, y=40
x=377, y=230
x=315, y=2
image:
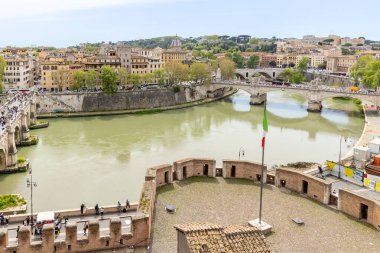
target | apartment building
x=18, y=72
x=97, y=62
x=57, y=76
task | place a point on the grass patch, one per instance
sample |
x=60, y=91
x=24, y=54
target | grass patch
x=7, y=201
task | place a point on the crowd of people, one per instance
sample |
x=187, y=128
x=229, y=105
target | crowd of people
x=10, y=109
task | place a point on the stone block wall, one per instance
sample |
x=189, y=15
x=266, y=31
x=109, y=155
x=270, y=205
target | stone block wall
x=243, y=169
x=128, y=100
x=317, y=189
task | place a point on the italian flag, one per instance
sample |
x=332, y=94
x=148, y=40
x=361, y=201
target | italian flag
x=265, y=128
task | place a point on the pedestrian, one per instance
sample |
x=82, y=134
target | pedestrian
x=18, y=229
x=97, y=209
x=27, y=221
x=2, y=219
x=82, y=207
x=127, y=204
x=101, y=211
x=118, y=206
x=85, y=226
x=66, y=220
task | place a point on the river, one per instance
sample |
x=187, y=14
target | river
x=103, y=159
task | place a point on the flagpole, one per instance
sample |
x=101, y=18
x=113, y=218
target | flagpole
x=262, y=171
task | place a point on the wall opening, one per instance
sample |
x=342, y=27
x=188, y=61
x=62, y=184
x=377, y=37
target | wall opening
x=205, y=170
x=283, y=182
x=333, y=200
x=233, y=171
x=184, y=172
x=305, y=186
x=219, y=172
x=363, y=212
x=166, y=177
x=175, y=175
x=258, y=177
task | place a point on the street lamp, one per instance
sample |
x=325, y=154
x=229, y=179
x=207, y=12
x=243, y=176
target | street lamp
x=340, y=153
x=31, y=184
x=241, y=152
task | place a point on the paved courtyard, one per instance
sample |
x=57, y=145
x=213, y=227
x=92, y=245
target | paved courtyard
x=234, y=201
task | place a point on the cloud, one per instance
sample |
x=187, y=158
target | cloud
x=20, y=9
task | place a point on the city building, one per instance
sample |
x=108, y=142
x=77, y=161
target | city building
x=341, y=64
x=57, y=76
x=18, y=72
x=97, y=62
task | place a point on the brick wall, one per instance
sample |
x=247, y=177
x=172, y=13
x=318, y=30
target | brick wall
x=350, y=203
x=317, y=189
x=243, y=169
x=190, y=167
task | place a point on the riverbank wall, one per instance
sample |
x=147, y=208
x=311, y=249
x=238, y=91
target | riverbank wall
x=125, y=100
x=211, y=97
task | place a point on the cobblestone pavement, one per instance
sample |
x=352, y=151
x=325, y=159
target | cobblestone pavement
x=235, y=201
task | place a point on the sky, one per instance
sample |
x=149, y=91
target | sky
x=62, y=23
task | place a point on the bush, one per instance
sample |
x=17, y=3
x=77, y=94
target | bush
x=11, y=201
x=21, y=159
x=176, y=89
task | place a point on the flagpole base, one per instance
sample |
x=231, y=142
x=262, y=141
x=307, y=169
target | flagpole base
x=263, y=227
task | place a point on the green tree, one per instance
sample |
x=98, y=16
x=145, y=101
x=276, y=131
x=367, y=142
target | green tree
x=159, y=75
x=292, y=75
x=176, y=72
x=253, y=61
x=238, y=59
x=227, y=68
x=108, y=76
x=249, y=49
x=79, y=80
x=367, y=69
x=135, y=79
x=200, y=73
x=273, y=64
x=122, y=77
x=303, y=63
x=91, y=78
x=2, y=70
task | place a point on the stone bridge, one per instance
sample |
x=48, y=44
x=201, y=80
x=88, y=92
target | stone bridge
x=312, y=93
x=18, y=113
x=247, y=74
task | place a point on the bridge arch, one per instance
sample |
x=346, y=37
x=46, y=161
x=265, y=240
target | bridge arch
x=3, y=159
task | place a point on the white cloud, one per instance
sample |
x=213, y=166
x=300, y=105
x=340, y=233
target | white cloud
x=15, y=9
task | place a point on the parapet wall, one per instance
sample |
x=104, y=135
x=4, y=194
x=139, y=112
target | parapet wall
x=351, y=203
x=309, y=185
x=116, y=238
x=128, y=100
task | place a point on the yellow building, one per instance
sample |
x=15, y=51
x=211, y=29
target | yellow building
x=57, y=76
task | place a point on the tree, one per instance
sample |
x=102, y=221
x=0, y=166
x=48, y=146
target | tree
x=249, y=49
x=227, y=68
x=253, y=61
x=159, y=75
x=303, y=63
x=292, y=75
x=91, y=78
x=79, y=80
x=254, y=41
x=200, y=73
x=323, y=65
x=122, y=77
x=2, y=70
x=238, y=59
x=108, y=76
x=135, y=79
x=60, y=77
x=176, y=72
x=273, y=64
x=368, y=70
